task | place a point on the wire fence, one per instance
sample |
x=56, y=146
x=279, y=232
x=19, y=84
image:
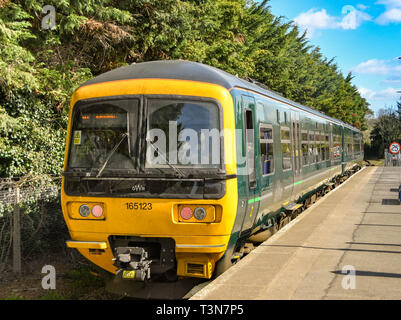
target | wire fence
x=30, y=218
x=26, y=194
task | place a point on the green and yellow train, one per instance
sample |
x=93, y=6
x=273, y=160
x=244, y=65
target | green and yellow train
x=171, y=167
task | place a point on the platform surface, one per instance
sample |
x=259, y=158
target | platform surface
x=346, y=246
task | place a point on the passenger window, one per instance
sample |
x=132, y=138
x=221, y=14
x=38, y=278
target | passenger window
x=337, y=147
x=266, y=149
x=312, y=147
x=318, y=147
x=286, y=148
x=322, y=147
x=327, y=148
x=305, y=152
x=349, y=145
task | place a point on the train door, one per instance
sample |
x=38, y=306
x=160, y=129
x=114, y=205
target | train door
x=253, y=189
x=288, y=158
x=296, y=144
x=296, y=147
x=343, y=149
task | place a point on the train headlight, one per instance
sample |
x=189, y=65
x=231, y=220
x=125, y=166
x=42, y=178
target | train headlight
x=186, y=213
x=197, y=213
x=200, y=213
x=97, y=211
x=84, y=210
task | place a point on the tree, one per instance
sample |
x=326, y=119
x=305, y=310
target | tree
x=387, y=129
x=40, y=69
x=398, y=111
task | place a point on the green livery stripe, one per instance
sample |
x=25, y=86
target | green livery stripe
x=297, y=183
x=254, y=200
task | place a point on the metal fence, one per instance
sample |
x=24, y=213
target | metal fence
x=391, y=160
x=23, y=205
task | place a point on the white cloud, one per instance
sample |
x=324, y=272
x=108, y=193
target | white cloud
x=314, y=19
x=362, y=6
x=379, y=67
x=392, y=13
x=390, y=3
x=354, y=19
x=390, y=16
x=393, y=81
x=387, y=94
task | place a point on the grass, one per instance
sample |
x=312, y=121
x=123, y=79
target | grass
x=53, y=296
x=15, y=297
x=84, y=278
x=81, y=283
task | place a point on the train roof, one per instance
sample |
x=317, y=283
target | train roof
x=194, y=71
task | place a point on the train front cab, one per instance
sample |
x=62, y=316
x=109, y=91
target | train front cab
x=136, y=210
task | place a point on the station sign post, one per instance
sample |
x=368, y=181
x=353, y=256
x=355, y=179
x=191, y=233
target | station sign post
x=395, y=149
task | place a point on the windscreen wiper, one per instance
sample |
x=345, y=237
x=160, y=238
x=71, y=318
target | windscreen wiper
x=179, y=173
x=111, y=154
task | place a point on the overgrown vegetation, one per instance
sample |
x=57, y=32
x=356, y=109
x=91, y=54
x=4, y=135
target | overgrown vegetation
x=39, y=69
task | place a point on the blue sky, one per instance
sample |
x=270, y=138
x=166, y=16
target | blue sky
x=363, y=36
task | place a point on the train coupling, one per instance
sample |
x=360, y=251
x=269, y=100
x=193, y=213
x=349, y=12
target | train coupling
x=132, y=263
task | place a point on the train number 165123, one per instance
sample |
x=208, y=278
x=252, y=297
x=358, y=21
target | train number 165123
x=138, y=206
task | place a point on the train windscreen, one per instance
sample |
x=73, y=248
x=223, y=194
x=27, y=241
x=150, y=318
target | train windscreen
x=102, y=137
x=183, y=134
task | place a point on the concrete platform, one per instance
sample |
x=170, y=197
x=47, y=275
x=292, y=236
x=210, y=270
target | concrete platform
x=357, y=225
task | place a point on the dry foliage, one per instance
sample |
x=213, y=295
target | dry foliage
x=3, y=3
x=106, y=34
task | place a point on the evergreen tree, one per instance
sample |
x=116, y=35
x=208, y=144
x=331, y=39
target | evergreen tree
x=40, y=69
x=398, y=111
x=387, y=130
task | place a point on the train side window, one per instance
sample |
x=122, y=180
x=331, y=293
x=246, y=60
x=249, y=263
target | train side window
x=305, y=153
x=312, y=147
x=349, y=145
x=357, y=145
x=323, y=146
x=337, y=147
x=286, y=148
x=318, y=150
x=327, y=148
x=266, y=149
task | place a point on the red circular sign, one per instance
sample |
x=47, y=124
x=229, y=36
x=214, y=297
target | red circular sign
x=395, y=148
